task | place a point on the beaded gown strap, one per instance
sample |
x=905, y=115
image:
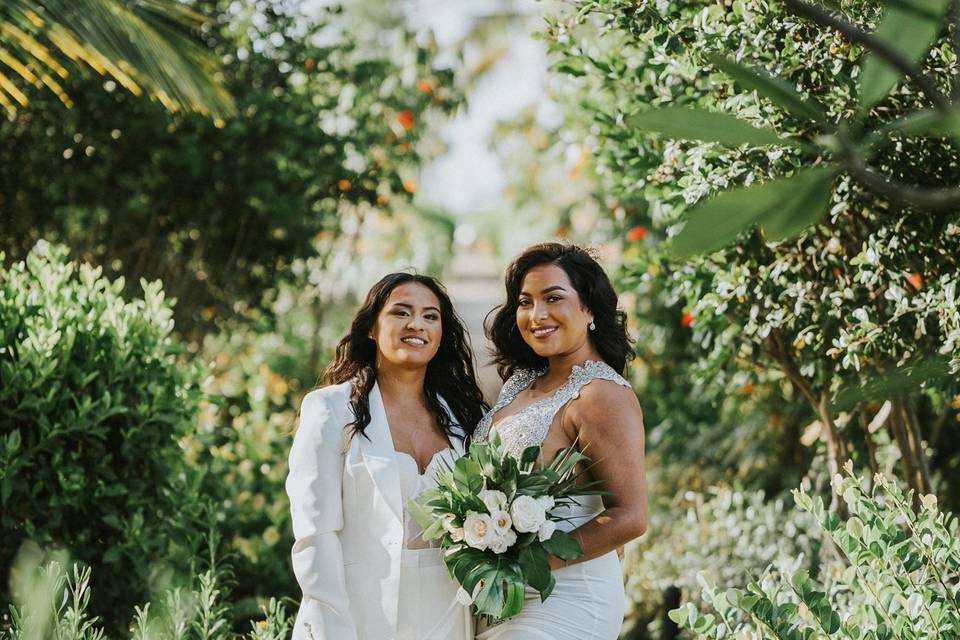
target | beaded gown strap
x=529, y=427
x=516, y=383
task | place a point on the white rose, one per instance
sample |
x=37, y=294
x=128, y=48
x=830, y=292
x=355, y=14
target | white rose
x=501, y=522
x=493, y=499
x=478, y=530
x=456, y=533
x=546, y=530
x=527, y=514
x=546, y=502
x=503, y=542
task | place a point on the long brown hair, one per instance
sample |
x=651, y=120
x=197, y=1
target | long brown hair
x=450, y=373
x=510, y=350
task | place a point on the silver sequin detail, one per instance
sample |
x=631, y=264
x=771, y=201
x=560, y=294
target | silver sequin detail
x=529, y=427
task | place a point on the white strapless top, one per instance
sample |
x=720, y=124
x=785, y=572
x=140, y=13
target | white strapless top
x=412, y=482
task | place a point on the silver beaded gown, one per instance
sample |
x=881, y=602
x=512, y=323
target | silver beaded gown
x=588, y=600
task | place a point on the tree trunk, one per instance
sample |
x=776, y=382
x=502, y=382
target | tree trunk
x=899, y=429
x=871, y=446
x=837, y=453
x=916, y=442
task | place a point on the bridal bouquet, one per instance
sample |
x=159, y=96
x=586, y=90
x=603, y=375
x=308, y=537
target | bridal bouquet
x=494, y=516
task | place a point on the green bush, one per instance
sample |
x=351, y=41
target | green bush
x=871, y=287
x=723, y=535
x=53, y=602
x=895, y=576
x=93, y=403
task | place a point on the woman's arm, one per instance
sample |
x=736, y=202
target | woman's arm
x=314, y=487
x=608, y=423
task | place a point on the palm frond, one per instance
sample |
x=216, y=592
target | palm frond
x=147, y=46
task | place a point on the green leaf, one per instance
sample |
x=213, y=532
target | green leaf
x=513, y=598
x=800, y=211
x=899, y=381
x=925, y=122
x=779, y=92
x=563, y=546
x=466, y=473
x=782, y=205
x=529, y=455
x=535, y=566
x=909, y=32
x=421, y=515
x=707, y=126
x=679, y=616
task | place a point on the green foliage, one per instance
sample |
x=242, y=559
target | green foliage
x=53, y=602
x=146, y=47
x=91, y=396
x=219, y=210
x=753, y=343
x=722, y=535
x=895, y=577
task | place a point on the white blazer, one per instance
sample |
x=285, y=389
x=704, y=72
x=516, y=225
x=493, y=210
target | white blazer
x=347, y=519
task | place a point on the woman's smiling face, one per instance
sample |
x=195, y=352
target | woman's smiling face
x=408, y=328
x=550, y=316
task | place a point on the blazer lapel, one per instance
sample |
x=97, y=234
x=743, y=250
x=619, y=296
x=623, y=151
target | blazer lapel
x=379, y=454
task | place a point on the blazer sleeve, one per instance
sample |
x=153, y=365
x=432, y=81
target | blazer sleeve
x=314, y=488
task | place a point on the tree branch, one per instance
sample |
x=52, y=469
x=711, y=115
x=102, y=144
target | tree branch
x=906, y=195
x=955, y=42
x=874, y=44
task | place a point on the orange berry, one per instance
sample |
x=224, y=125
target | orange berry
x=308, y=63
x=406, y=119
x=747, y=389
x=344, y=184
x=382, y=199
x=425, y=85
x=409, y=186
x=915, y=280
x=687, y=319
x=636, y=233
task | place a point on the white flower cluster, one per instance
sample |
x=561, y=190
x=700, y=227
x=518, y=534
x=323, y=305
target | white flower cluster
x=497, y=529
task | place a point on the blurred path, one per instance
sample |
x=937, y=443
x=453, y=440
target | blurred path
x=475, y=285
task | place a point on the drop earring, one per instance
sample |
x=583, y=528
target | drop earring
x=593, y=327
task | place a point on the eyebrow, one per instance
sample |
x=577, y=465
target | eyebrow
x=555, y=287
x=410, y=306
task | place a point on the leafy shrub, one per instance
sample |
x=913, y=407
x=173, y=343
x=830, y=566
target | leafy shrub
x=53, y=598
x=870, y=288
x=896, y=576
x=722, y=534
x=93, y=403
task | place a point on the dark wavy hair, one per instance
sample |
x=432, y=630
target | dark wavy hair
x=610, y=338
x=449, y=374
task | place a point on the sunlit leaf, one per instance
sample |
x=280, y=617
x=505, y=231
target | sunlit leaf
x=909, y=32
x=898, y=382
x=707, y=126
x=771, y=87
x=783, y=206
x=926, y=122
x=147, y=46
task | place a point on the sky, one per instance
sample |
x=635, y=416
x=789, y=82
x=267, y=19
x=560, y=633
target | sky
x=469, y=177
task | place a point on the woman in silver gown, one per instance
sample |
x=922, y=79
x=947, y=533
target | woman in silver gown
x=561, y=345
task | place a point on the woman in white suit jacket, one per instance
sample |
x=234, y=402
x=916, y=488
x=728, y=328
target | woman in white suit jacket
x=401, y=396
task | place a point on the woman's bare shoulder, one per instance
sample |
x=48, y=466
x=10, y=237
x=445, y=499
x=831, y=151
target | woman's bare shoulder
x=606, y=401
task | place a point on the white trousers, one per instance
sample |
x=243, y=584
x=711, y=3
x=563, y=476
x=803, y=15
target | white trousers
x=428, y=608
